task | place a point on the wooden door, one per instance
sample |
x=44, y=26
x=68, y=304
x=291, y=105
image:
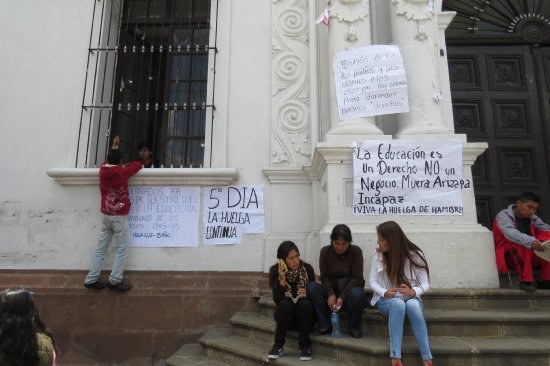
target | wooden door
x=501, y=96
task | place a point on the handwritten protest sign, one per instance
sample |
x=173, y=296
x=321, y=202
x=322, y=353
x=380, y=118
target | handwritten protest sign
x=230, y=211
x=164, y=216
x=408, y=177
x=370, y=81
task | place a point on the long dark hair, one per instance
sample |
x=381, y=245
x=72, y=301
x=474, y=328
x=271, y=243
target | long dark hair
x=19, y=323
x=399, y=249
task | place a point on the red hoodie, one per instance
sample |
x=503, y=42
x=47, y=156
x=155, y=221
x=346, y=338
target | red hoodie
x=113, y=184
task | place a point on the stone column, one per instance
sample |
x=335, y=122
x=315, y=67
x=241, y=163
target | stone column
x=349, y=28
x=414, y=29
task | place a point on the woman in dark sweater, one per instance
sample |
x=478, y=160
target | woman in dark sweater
x=288, y=280
x=343, y=284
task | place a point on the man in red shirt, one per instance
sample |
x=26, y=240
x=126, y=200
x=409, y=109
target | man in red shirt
x=518, y=233
x=115, y=206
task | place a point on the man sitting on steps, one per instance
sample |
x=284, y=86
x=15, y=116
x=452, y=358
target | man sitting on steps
x=518, y=232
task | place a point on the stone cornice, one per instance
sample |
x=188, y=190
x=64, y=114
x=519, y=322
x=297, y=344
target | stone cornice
x=286, y=175
x=471, y=150
x=151, y=177
x=328, y=153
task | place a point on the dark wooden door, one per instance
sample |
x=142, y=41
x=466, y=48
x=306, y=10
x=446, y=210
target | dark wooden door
x=501, y=95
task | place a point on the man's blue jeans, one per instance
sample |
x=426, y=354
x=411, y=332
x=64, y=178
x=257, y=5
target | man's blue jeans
x=117, y=228
x=355, y=303
x=395, y=310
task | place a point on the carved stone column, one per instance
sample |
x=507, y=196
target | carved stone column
x=349, y=28
x=414, y=29
x=290, y=111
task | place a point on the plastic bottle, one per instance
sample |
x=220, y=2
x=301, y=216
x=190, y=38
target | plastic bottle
x=335, y=321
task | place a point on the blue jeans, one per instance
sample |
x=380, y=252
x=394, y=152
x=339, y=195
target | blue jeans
x=395, y=310
x=115, y=227
x=355, y=303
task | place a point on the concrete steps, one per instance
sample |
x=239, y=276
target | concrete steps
x=466, y=327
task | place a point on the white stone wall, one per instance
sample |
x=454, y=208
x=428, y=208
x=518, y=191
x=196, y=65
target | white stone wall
x=48, y=225
x=43, y=55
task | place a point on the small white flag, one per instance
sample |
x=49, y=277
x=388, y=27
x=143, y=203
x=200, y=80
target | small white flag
x=323, y=18
x=430, y=6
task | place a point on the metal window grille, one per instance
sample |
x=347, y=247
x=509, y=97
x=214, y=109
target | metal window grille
x=146, y=81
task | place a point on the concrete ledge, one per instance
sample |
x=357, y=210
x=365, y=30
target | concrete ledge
x=151, y=177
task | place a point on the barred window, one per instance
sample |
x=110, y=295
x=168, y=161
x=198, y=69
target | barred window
x=147, y=81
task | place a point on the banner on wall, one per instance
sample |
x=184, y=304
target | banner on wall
x=164, y=216
x=370, y=81
x=230, y=211
x=408, y=177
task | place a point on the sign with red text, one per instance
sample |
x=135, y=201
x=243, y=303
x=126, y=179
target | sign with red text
x=408, y=177
x=230, y=211
x=370, y=81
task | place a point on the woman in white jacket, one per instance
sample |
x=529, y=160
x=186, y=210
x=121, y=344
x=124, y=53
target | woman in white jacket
x=399, y=274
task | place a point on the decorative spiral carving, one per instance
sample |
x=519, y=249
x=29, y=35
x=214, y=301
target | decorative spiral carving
x=289, y=68
x=293, y=23
x=293, y=116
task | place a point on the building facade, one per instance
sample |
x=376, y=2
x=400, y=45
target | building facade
x=241, y=92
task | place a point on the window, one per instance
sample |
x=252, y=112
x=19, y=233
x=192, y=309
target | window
x=147, y=81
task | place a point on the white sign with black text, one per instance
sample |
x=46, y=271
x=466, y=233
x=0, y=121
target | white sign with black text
x=370, y=81
x=164, y=216
x=231, y=211
x=408, y=177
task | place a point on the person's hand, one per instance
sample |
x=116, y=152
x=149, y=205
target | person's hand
x=537, y=245
x=115, y=143
x=301, y=291
x=406, y=290
x=282, y=270
x=339, y=303
x=331, y=301
x=390, y=294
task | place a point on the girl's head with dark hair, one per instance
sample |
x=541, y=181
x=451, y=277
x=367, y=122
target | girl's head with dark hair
x=396, y=248
x=289, y=253
x=16, y=301
x=284, y=248
x=341, y=231
x=340, y=238
x=19, y=345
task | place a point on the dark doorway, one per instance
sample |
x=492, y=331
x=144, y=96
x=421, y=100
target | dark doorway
x=501, y=95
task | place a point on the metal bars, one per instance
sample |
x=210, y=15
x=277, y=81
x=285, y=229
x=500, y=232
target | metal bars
x=146, y=81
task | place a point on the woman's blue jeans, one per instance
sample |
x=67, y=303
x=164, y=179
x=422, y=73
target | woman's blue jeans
x=395, y=310
x=355, y=303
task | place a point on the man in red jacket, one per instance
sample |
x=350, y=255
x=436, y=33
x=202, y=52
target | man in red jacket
x=518, y=232
x=115, y=206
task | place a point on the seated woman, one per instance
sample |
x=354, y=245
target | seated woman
x=25, y=339
x=341, y=265
x=288, y=280
x=399, y=274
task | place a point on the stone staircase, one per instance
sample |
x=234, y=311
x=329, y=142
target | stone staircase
x=473, y=327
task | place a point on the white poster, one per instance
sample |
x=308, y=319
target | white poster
x=230, y=211
x=370, y=81
x=408, y=177
x=164, y=216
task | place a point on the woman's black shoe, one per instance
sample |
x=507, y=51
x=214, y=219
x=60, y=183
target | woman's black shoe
x=319, y=332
